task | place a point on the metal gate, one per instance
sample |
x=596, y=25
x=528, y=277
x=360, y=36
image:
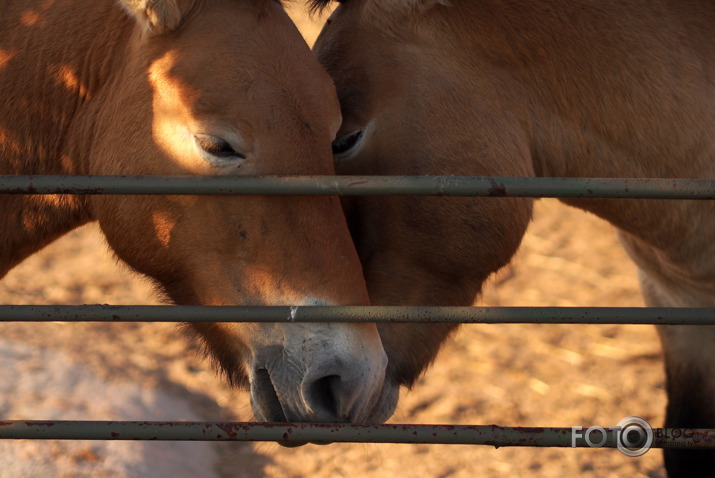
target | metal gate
x=353, y=185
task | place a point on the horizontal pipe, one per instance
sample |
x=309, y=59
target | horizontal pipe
x=298, y=433
x=423, y=314
x=365, y=185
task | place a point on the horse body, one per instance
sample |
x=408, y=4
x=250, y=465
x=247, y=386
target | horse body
x=541, y=88
x=184, y=87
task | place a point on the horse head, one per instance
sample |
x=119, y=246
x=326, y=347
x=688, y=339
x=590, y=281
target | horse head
x=230, y=88
x=411, y=104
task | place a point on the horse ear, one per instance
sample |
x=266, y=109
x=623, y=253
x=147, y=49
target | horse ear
x=156, y=16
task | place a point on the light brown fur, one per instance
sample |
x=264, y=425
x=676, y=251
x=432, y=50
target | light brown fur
x=87, y=89
x=535, y=88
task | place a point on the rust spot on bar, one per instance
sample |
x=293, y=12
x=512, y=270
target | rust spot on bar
x=496, y=189
x=228, y=428
x=40, y=424
x=357, y=183
x=532, y=430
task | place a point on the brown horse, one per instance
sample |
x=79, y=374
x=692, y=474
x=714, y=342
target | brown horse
x=189, y=87
x=530, y=88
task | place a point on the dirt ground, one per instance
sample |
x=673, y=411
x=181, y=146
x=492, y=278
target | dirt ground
x=539, y=375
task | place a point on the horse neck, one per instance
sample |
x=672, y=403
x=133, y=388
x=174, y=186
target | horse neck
x=54, y=60
x=57, y=58
x=607, y=96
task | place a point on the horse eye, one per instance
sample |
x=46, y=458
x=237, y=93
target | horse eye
x=344, y=144
x=216, y=146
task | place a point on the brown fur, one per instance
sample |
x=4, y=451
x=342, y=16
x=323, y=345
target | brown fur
x=399, y=7
x=515, y=88
x=87, y=89
x=158, y=16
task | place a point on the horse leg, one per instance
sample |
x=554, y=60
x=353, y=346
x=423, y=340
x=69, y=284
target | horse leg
x=689, y=354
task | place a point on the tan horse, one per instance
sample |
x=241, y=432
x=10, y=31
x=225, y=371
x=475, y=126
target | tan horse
x=188, y=87
x=531, y=88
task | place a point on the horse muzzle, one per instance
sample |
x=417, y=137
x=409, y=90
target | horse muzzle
x=324, y=373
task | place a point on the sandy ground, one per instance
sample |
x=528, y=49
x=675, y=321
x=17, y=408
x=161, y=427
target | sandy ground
x=540, y=375
x=47, y=384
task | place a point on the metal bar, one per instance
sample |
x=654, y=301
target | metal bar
x=352, y=185
x=298, y=433
x=473, y=315
x=365, y=185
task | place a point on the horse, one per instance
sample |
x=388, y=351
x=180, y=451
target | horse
x=530, y=88
x=197, y=88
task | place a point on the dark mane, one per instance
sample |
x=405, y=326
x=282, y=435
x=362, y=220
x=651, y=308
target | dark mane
x=318, y=6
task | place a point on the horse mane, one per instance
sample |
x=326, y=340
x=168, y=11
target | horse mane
x=160, y=16
x=317, y=7
x=408, y=6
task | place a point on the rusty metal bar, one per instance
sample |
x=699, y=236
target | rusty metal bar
x=354, y=185
x=471, y=315
x=297, y=433
x=471, y=186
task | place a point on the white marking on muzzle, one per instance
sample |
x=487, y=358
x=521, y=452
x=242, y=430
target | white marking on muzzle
x=328, y=371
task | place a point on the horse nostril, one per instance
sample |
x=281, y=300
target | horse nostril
x=322, y=397
x=263, y=394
